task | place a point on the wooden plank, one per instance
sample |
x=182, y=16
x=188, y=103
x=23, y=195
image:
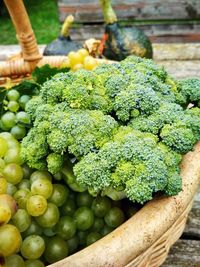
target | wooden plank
x=162, y=52
x=182, y=33
x=183, y=68
x=89, y=11
x=193, y=223
x=184, y=253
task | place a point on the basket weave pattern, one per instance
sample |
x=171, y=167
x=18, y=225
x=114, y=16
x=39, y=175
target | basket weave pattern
x=157, y=253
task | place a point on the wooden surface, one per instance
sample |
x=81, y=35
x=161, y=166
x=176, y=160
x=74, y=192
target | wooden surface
x=186, y=251
x=181, y=60
x=162, y=20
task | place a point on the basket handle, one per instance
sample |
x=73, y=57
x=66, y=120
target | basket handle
x=24, y=31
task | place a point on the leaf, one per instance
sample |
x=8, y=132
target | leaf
x=44, y=73
x=27, y=87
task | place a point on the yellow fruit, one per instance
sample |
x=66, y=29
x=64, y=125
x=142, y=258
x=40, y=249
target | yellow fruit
x=90, y=63
x=3, y=185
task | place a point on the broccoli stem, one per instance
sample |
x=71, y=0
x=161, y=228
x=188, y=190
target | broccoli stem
x=108, y=12
x=66, y=26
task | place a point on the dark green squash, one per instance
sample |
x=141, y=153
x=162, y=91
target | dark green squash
x=119, y=42
x=63, y=44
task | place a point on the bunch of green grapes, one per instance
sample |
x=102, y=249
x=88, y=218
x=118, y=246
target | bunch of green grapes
x=15, y=119
x=42, y=220
x=80, y=60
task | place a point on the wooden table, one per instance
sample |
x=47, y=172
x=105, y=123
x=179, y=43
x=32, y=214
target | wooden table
x=181, y=60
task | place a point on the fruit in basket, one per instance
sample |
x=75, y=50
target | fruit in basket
x=63, y=44
x=118, y=41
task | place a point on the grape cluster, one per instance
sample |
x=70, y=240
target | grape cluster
x=15, y=119
x=42, y=220
x=80, y=60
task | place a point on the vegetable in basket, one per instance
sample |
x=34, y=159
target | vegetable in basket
x=118, y=41
x=63, y=44
x=125, y=126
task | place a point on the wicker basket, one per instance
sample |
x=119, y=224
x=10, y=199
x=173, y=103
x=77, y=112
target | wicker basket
x=145, y=239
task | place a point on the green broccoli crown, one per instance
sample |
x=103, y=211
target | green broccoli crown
x=133, y=162
x=125, y=125
x=190, y=89
x=178, y=137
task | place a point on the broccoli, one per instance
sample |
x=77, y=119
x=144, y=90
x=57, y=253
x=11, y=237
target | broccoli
x=133, y=163
x=126, y=124
x=178, y=137
x=190, y=89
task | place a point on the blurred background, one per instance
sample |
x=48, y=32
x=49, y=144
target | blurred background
x=164, y=21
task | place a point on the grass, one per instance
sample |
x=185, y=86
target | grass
x=43, y=15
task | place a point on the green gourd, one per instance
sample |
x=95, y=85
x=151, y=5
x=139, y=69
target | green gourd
x=63, y=44
x=118, y=41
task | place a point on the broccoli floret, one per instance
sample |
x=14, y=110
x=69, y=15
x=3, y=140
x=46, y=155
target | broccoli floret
x=174, y=184
x=192, y=121
x=178, y=137
x=54, y=162
x=137, y=97
x=34, y=148
x=133, y=163
x=32, y=106
x=190, y=89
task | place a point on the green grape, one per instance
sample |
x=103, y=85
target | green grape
x=66, y=227
x=11, y=240
x=59, y=195
x=13, y=173
x=56, y=250
x=101, y=205
x=114, y=217
x=18, y=132
x=84, y=199
x=8, y=119
x=98, y=224
x=32, y=247
x=34, y=263
x=11, y=189
x=24, y=184
x=36, y=205
x=23, y=117
x=13, y=95
x=23, y=100
x=13, y=106
x=3, y=185
x=106, y=230
x=68, y=208
x=49, y=232
x=14, y=261
x=9, y=201
x=6, y=135
x=3, y=147
x=43, y=187
x=27, y=171
x=21, y=197
x=2, y=164
x=84, y=218
x=5, y=214
x=13, y=143
x=92, y=238
x=33, y=229
x=50, y=216
x=40, y=174
x=21, y=220
x=73, y=244
x=82, y=236
x=13, y=156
